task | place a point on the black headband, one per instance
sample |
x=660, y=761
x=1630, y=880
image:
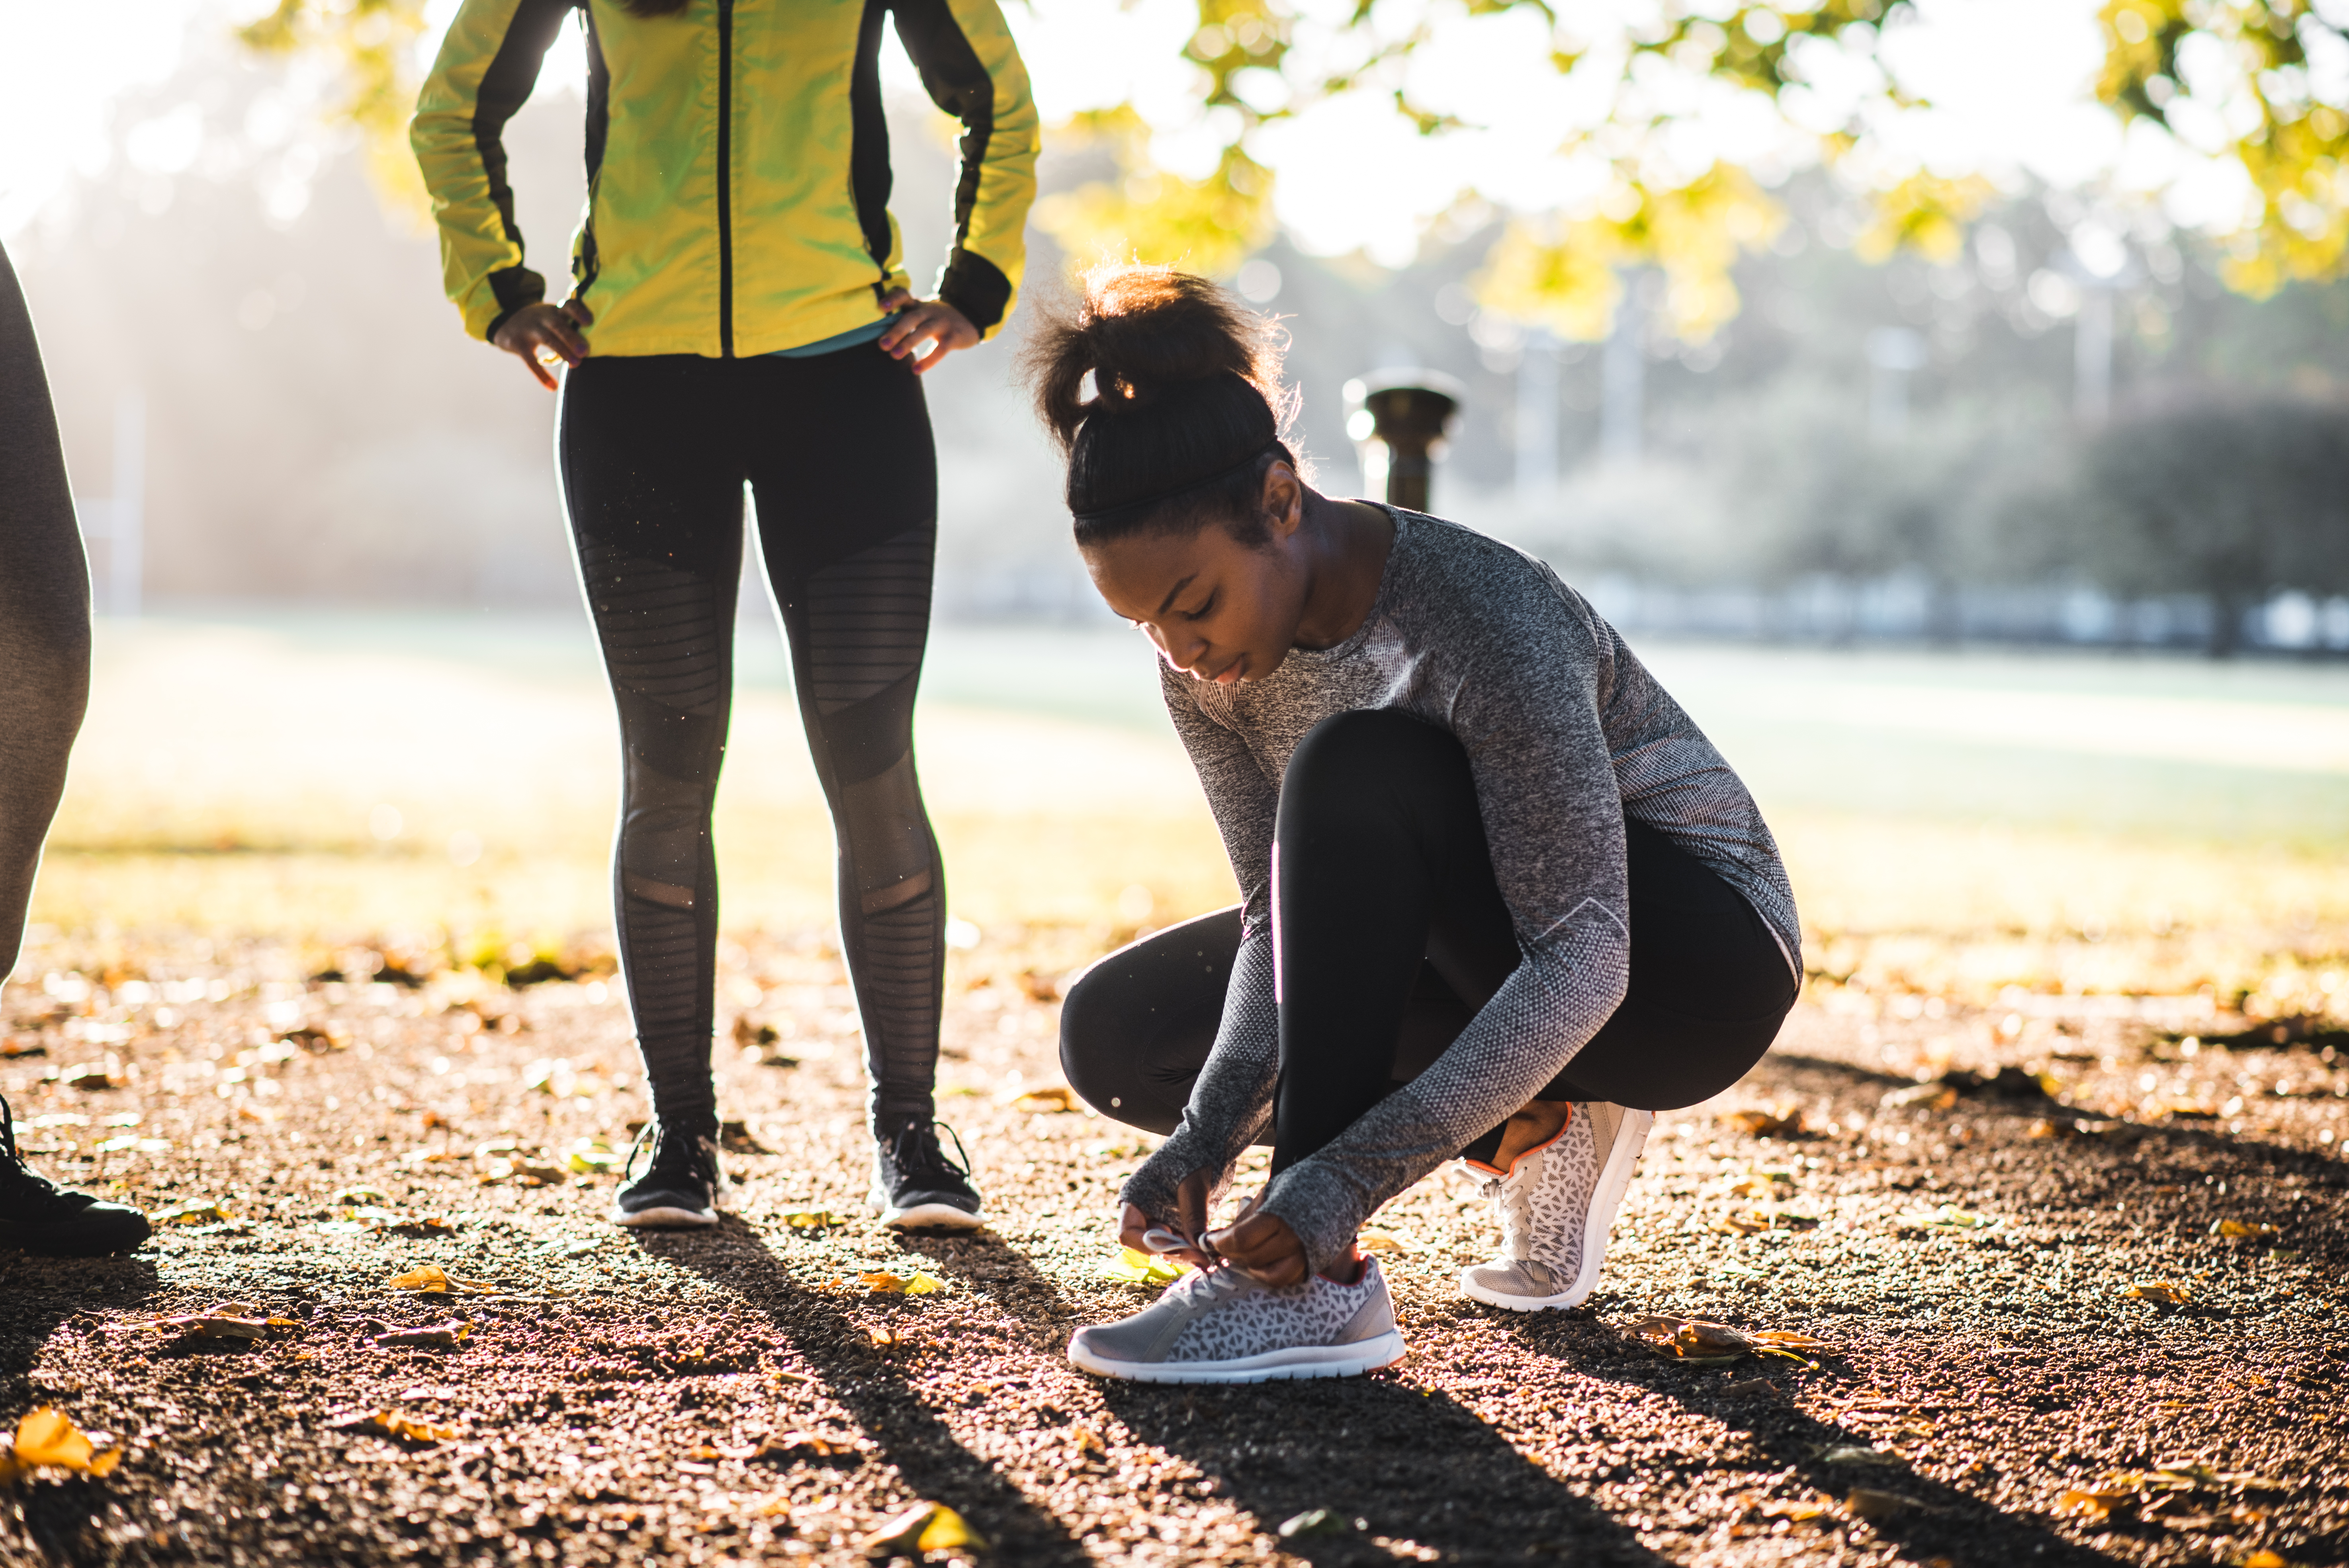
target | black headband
x=1185, y=488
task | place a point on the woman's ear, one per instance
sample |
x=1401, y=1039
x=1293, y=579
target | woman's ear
x=1284, y=500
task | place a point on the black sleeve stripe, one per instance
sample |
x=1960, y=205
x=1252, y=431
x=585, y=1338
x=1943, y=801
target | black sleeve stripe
x=958, y=82
x=870, y=179
x=599, y=125
x=506, y=88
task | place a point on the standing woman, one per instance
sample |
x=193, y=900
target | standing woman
x=1503, y=901
x=737, y=273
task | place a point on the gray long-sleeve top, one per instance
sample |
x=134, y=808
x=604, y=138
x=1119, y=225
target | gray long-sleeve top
x=1566, y=735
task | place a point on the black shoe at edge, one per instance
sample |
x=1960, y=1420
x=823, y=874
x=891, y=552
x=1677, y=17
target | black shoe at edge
x=39, y=1216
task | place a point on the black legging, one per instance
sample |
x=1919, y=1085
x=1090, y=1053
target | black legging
x=654, y=453
x=1390, y=946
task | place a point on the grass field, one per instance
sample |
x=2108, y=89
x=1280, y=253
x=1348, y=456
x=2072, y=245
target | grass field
x=1954, y=822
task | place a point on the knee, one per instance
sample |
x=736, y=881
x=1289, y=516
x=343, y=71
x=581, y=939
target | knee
x=1342, y=758
x=1100, y=1057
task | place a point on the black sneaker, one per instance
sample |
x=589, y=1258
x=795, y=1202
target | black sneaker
x=39, y=1216
x=915, y=1186
x=682, y=1186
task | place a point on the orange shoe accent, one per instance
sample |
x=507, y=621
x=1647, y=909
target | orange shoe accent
x=1537, y=1148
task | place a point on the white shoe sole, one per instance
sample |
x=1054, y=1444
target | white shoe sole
x=927, y=1217
x=665, y=1219
x=1273, y=1365
x=1614, y=1181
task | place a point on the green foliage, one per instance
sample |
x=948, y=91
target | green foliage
x=1559, y=269
x=372, y=45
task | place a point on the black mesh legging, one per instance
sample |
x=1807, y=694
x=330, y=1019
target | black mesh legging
x=654, y=454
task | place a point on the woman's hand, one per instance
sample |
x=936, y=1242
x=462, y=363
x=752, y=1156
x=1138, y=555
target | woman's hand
x=541, y=335
x=919, y=322
x=1262, y=1246
x=1190, y=1220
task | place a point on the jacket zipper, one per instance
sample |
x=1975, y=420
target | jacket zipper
x=726, y=178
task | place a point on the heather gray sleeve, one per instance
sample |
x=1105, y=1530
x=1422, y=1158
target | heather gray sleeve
x=1520, y=685
x=1232, y=1100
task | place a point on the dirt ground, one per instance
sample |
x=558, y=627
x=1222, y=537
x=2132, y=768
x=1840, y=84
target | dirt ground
x=1966, y=1249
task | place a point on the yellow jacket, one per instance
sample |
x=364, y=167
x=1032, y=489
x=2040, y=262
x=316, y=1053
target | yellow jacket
x=738, y=166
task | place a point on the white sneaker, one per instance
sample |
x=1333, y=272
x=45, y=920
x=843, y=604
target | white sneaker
x=1556, y=1208
x=1224, y=1327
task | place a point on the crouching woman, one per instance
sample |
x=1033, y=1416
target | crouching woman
x=1503, y=901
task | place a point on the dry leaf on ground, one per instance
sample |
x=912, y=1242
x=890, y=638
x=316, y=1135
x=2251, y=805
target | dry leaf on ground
x=877, y=1282
x=199, y=1214
x=2242, y=1230
x=1130, y=1267
x=794, y=1445
x=1947, y=1219
x=1316, y=1521
x=48, y=1436
x=368, y=1219
x=222, y=1323
x=2095, y=1504
x=1697, y=1343
x=1786, y=1123
x=1056, y=1097
x=593, y=1156
x=431, y=1336
x=925, y=1527
x=432, y=1279
x=2162, y=1291
x=812, y=1219
x=392, y=1424
x=1800, y=1510
x=1878, y=1506
x=1386, y=1242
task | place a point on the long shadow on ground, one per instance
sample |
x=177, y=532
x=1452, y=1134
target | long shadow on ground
x=1360, y=1449
x=40, y=1297
x=908, y=1433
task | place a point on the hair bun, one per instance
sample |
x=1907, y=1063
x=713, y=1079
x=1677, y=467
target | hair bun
x=1138, y=330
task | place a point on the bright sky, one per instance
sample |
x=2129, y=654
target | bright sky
x=2010, y=80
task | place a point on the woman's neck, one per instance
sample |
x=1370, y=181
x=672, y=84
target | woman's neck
x=1347, y=544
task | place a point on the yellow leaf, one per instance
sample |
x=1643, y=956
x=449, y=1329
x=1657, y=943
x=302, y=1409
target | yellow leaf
x=431, y=1278
x=1056, y=1097
x=812, y=1219
x=2093, y=1503
x=48, y=1436
x=1878, y=1506
x=2236, y=1229
x=2264, y=1558
x=948, y=1530
x=206, y=1214
x=2161, y=1291
x=1692, y=1340
x=1382, y=1242
x=1130, y=1267
x=881, y=1283
x=1767, y=1124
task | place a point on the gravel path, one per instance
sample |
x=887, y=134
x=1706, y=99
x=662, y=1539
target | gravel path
x=1966, y=1248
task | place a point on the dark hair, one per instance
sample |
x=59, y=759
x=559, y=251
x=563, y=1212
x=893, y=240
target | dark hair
x=1187, y=405
x=654, y=7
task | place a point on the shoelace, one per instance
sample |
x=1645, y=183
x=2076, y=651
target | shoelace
x=672, y=1155
x=915, y=1151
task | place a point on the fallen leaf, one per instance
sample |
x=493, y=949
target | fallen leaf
x=218, y=1325
x=593, y=1156
x=1086, y=1440
x=800, y=1445
x=362, y=1195
x=812, y=1219
x=1131, y=1267
x=432, y=1279
x=432, y=1336
x=1799, y=1510
x=1786, y=1123
x=1386, y=1242
x=1056, y=1097
x=1878, y=1506
x=392, y=1424
x=46, y=1435
x=2264, y=1558
x=1315, y=1521
x=88, y=1076
x=1765, y=1184
x=2159, y=1290
x=1038, y=986
x=2095, y=1504
x=1691, y=1340
x=198, y=1213
x=1947, y=1218
x=925, y=1527
x=877, y=1282
x=2239, y=1229
x=1859, y=1455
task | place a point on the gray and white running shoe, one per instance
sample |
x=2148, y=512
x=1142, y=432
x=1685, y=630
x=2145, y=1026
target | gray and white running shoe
x=1556, y=1208
x=1221, y=1326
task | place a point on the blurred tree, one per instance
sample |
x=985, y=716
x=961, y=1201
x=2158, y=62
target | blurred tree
x=2233, y=498
x=2231, y=80
x=371, y=45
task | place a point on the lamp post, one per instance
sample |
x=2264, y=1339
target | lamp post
x=1397, y=418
